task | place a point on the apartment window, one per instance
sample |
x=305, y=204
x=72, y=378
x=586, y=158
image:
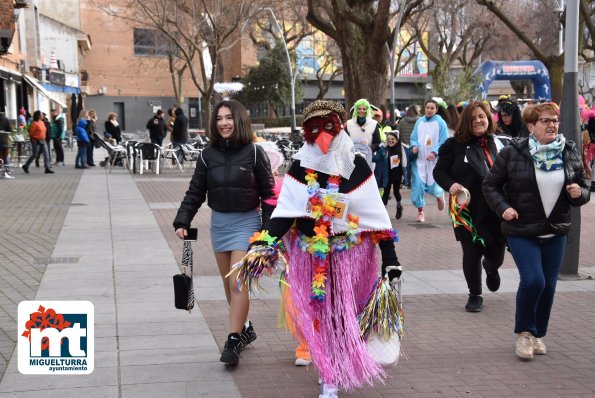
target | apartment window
x=150, y=42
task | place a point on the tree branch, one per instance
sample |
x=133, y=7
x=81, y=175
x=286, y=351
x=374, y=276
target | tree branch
x=316, y=19
x=521, y=35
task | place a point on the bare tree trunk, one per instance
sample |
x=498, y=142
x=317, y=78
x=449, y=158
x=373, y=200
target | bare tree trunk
x=365, y=69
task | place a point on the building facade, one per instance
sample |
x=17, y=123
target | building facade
x=127, y=70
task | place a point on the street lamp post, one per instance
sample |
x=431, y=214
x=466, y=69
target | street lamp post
x=559, y=10
x=570, y=127
x=291, y=75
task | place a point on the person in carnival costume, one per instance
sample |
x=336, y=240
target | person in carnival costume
x=330, y=218
x=363, y=130
x=428, y=135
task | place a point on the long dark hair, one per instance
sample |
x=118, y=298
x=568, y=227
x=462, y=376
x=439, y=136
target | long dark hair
x=242, y=131
x=464, y=132
x=516, y=126
x=37, y=116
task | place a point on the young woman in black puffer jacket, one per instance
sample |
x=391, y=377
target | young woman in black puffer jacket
x=531, y=186
x=234, y=176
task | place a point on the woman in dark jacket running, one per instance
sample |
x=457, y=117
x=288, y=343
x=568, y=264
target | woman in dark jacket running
x=463, y=162
x=235, y=176
x=531, y=186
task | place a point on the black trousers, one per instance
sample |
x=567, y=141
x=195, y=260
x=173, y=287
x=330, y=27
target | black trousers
x=59, y=150
x=472, y=255
x=395, y=183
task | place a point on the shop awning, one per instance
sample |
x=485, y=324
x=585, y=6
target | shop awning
x=33, y=81
x=9, y=74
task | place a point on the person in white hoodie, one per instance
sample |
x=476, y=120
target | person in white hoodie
x=428, y=135
x=363, y=130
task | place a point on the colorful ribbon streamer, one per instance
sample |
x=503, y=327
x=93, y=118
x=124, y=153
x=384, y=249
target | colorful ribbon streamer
x=460, y=217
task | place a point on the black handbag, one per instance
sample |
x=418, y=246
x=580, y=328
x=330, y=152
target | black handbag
x=183, y=287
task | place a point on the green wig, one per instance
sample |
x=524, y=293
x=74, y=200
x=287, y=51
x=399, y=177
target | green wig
x=362, y=102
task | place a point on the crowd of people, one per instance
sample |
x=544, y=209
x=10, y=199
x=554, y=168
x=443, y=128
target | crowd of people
x=510, y=175
x=510, y=182
x=44, y=134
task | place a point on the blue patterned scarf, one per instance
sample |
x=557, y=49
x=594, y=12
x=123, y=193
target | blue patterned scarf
x=547, y=157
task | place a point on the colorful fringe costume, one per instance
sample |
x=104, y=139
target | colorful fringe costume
x=331, y=219
x=330, y=327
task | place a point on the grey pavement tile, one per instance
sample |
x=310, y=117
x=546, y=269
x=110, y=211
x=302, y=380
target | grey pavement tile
x=156, y=329
x=139, y=254
x=205, y=372
x=174, y=315
x=13, y=382
x=109, y=344
x=200, y=339
x=170, y=355
x=190, y=389
x=87, y=392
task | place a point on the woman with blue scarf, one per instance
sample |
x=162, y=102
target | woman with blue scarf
x=531, y=186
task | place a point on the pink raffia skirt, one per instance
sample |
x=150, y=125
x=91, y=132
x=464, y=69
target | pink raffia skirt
x=330, y=328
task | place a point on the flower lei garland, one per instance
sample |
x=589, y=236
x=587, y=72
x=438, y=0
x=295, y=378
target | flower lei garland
x=323, y=209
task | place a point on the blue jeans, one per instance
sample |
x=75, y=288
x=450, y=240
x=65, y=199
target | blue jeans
x=538, y=261
x=81, y=155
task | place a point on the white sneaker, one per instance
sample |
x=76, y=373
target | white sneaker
x=524, y=345
x=8, y=176
x=302, y=362
x=328, y=391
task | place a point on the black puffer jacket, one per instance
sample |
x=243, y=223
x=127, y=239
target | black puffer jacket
x=233, y=178
x=511, y=183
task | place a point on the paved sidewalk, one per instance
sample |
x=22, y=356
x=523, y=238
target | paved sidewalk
x=143, y=346
x=116, y=231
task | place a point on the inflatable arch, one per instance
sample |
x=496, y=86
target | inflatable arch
x=516, y=70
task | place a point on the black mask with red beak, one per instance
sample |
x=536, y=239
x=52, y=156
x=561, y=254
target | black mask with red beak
x=322, y=130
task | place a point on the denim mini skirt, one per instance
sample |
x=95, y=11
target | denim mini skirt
x=232, y=231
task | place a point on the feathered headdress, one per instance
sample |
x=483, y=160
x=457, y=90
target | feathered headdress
x=226, y=89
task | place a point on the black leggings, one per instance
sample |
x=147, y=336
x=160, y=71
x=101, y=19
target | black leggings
x=472, y=254
x=396, y=185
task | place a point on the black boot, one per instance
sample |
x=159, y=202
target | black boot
x=49, y=171
x=399, y=211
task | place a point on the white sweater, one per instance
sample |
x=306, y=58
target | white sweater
x=550, y=184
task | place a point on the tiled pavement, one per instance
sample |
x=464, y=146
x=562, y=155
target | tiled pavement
x=448, y=352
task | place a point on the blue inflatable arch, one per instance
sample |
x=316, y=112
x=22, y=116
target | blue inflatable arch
x=516, y=70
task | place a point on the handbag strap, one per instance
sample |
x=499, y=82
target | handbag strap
x=187, y=256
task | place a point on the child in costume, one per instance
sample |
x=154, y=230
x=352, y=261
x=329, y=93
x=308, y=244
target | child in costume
x=331, y=218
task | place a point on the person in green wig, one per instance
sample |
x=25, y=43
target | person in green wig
x=363, y=130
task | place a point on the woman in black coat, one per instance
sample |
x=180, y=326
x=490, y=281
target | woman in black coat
x=532, y=185
x=235, y=176
x=112, y=127
x=463, y=162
